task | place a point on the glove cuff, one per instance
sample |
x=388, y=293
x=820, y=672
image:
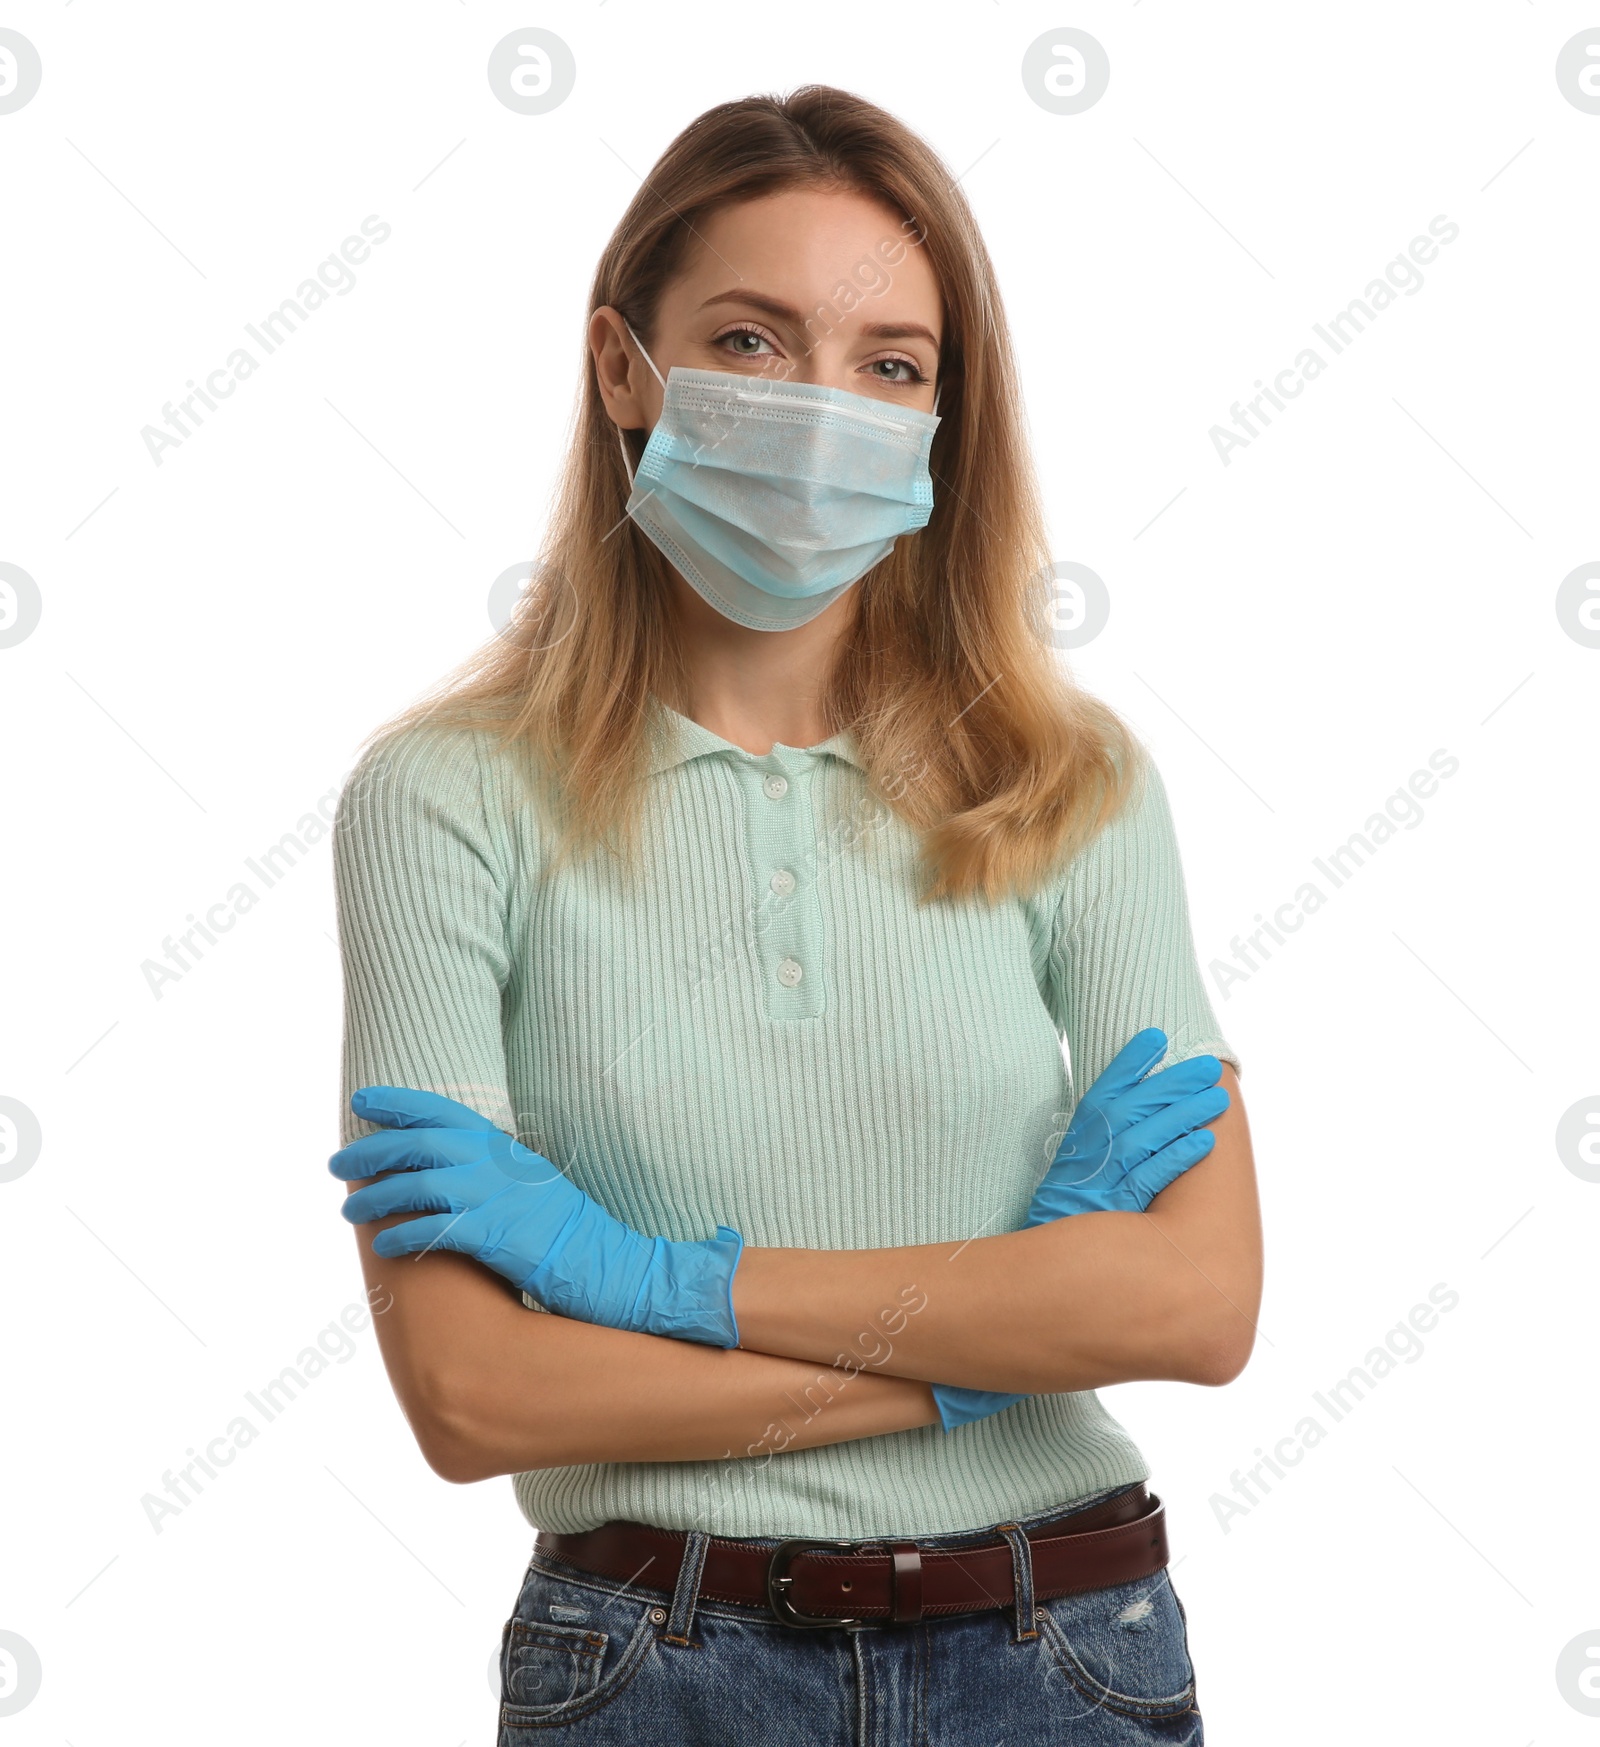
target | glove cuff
x=959, y=1407
x=725, y=1235
x=707, y=1309
x=687, y=1292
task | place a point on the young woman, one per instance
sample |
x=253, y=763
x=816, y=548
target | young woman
x=709, y=948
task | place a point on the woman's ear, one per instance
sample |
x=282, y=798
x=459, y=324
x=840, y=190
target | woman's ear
x=618, y=369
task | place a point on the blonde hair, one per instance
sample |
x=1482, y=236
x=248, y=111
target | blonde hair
x=945, y=670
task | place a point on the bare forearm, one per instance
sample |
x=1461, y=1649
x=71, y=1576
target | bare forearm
x=571, y=1392
x=1076, y=1304
x=490, y=1387
x=1095, y=1299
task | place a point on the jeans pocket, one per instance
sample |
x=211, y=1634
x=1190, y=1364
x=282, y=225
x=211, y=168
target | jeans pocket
x=550, y=1664
x=1125, y=1648
x=567, y=1651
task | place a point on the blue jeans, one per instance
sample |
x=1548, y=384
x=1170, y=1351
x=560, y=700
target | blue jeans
x=591, y=1659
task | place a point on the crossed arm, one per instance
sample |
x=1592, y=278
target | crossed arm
x=426, y=875
x=837, y=1344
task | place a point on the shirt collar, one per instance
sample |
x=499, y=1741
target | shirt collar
x=676, y=739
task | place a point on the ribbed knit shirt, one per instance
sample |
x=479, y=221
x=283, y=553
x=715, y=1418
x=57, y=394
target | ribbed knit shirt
x=757, y=1025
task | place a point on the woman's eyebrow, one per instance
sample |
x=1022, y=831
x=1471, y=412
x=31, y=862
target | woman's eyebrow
x=758, y=300
x=785, y=312
x=898, y=330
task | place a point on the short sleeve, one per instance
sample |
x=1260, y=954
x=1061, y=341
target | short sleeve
x=1122, y=953
x=422, y=911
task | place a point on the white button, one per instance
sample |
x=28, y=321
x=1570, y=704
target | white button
x=775, y=787
x=789, y=973
x=783, y=882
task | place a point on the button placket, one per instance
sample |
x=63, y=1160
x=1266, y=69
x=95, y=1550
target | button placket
x=786, y=919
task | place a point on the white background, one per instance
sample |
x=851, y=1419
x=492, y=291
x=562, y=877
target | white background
x=1293, y=633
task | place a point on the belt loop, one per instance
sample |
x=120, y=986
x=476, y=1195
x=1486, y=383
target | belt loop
x=1021, y=1580
x=687, y=1591
x=905, y=1583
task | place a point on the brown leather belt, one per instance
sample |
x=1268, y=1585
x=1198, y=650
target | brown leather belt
x=809, y=1582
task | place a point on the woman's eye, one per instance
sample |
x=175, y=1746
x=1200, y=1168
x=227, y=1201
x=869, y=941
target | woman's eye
x=896, y=370
x=743, y=342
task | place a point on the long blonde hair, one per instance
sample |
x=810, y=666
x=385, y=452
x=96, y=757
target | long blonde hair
x=945, y=670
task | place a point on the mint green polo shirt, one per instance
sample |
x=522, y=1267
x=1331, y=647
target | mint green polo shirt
x=759, y=1026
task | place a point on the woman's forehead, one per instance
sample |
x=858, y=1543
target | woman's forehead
x=799, y=248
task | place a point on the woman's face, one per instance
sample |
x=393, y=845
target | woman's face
x=812, y=286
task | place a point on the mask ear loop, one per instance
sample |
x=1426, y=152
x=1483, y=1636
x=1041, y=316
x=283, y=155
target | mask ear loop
x=646, y=356
x=627, y=459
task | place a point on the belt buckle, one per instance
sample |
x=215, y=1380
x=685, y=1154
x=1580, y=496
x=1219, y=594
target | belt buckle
x=778, y=1579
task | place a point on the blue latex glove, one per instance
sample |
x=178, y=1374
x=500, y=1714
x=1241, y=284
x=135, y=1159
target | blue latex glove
x=496, y=1200
x=1132, y=1134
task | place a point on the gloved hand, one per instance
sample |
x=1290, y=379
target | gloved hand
x=1133, y=1132
x=1129, y=1137
x=496, y=1200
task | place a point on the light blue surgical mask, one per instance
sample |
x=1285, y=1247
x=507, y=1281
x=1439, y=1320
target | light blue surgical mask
x=772, y=498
